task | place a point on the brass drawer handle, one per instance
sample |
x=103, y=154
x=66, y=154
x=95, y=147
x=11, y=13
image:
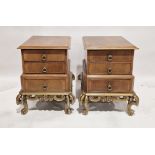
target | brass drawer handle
x=109, y=57
x=44, y=87
x=44, y=70
x=44, y=57
x=109, y=87
x=109, y=71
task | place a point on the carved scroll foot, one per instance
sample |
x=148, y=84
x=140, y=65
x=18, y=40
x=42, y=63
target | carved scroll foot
x=132, y=100
x=68, y=110
x=24, y=110
x=22, y=99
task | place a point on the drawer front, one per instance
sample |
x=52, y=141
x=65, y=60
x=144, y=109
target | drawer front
x=44, y=68
x=44, y=55
x=111, y=56
x=110, y=85
x=110, y=68
x=52, y=85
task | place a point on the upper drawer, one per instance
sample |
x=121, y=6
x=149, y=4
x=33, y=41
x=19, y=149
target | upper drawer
x=110, y=55
x=44, y=55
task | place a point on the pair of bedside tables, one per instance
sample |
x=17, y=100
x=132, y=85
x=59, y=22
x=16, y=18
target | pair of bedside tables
x=106, y=76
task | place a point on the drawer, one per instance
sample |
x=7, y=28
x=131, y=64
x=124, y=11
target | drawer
x=113, y=68
x=44, y=55
x=55, y=83
x=110, y=85
x=110, y=55
x=44, y=68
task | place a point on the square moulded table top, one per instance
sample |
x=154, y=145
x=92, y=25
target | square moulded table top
x=106, y=43
x=46, y=42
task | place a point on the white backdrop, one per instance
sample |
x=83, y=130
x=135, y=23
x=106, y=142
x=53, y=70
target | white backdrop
x=10, y=71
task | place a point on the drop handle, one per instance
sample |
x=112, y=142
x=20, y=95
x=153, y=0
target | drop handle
x=109, y=87
x=109, y=57
x=44, y=70
x=109, y=70
x=44, y=57
x=44, y=87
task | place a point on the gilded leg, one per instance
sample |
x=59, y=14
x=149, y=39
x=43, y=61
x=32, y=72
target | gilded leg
x=19, y=99
x=85, y=106
x=82, y=98
x=67, y=105
x=71, y=98
x=24, y=110
x=132, y=100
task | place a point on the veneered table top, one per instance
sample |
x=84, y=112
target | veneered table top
x=106, y=42
x=46, y=42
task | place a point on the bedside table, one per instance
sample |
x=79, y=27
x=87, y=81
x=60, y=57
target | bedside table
x=46, y=71
x=107, y=72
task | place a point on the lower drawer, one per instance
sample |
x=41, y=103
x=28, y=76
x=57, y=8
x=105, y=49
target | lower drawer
x=50, y=67
x=41, y=83
x=107, y=84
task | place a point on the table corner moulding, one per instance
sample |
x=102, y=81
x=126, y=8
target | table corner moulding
x=107, y=72
x=46, y=71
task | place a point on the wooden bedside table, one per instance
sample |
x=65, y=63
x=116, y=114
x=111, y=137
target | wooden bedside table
x=46, y=71
x=107, y=71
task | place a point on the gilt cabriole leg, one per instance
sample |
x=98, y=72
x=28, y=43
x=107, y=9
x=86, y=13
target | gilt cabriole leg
x=132, y=100
x=81, y=99
x=67, y=105
x=24, y=110
x=22, y=99
x=71, y=98
x=85, y=106
x=19, y=99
